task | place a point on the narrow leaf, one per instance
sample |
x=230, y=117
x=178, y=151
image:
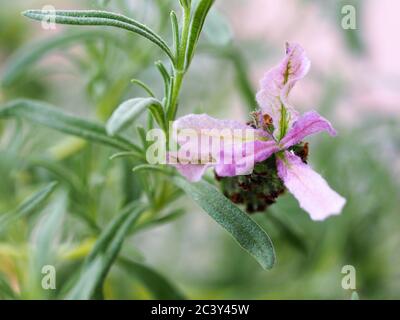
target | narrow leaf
x=157, y=284
x=18, y=64
x=245, y=230
x=29, y=206
x=101, y=18
x=44, y=114
x=196, y=27
x=104, y=253
x=128, y=112
x=152, y=168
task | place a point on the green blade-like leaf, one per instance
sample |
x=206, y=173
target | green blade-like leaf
x=100, y=18
x=104, y=253
x=244, y=229
x=196, y=27
x=30, y=205
x=172, y=216
x=129, y=111
x=157, y=284
x=18, y=64
x=44, y=114
x=153, y=168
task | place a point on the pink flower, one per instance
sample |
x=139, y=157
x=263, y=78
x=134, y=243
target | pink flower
x=275, y=130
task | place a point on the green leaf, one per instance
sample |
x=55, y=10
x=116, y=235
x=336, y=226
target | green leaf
x=245, y=230
x=144, y=86
x=152, y=168
x=46, y=232
x=130, y=110
x=6, y=292
x=47, y=115
x=18, y=64
x=100, y=18
x=196, y=27
x=157, y=284
x=104, y=253
x=172, y=216
x=175, y=32
x=185, y=4
x=29, y=206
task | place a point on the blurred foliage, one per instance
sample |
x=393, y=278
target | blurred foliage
x=78, y=225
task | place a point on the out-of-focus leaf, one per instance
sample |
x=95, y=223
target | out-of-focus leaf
x=27, y=56
x=153, y=168
x=196, y=26
x=30, y=205
x=45, y=114
x=355, y=296
x=288, y=232
x=172, y=216
x=218, y=30
x=100, y=18
x=47, y=230
x=245, y=230
x=157, y=284
x=129, y=111
x=104, y=253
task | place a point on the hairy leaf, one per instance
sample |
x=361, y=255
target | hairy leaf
x=130, y=110
x=196, y=27
x=245, y=230
x=100, y=18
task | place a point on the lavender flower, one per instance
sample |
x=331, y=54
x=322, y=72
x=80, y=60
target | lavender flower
x=275, y=131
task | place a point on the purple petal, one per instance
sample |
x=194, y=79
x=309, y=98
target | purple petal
x=309, y=188
x=198, y=122
x=277, y=83
x=192, y=172
x=308, y=124
x=230, y=146
x=252, y=153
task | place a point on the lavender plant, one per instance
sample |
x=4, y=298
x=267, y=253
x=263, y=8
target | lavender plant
x=278, y=153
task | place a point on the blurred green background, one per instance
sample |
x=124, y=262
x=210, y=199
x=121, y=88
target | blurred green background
x=354, y=81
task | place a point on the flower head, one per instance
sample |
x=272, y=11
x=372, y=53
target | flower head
x=276, y=133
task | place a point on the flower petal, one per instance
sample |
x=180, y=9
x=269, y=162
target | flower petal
x=308, y=124
x=309, y=188
x=278, y=82
x=252, y=153
x=201, y=122
x=230, y=146
x=192, y=172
